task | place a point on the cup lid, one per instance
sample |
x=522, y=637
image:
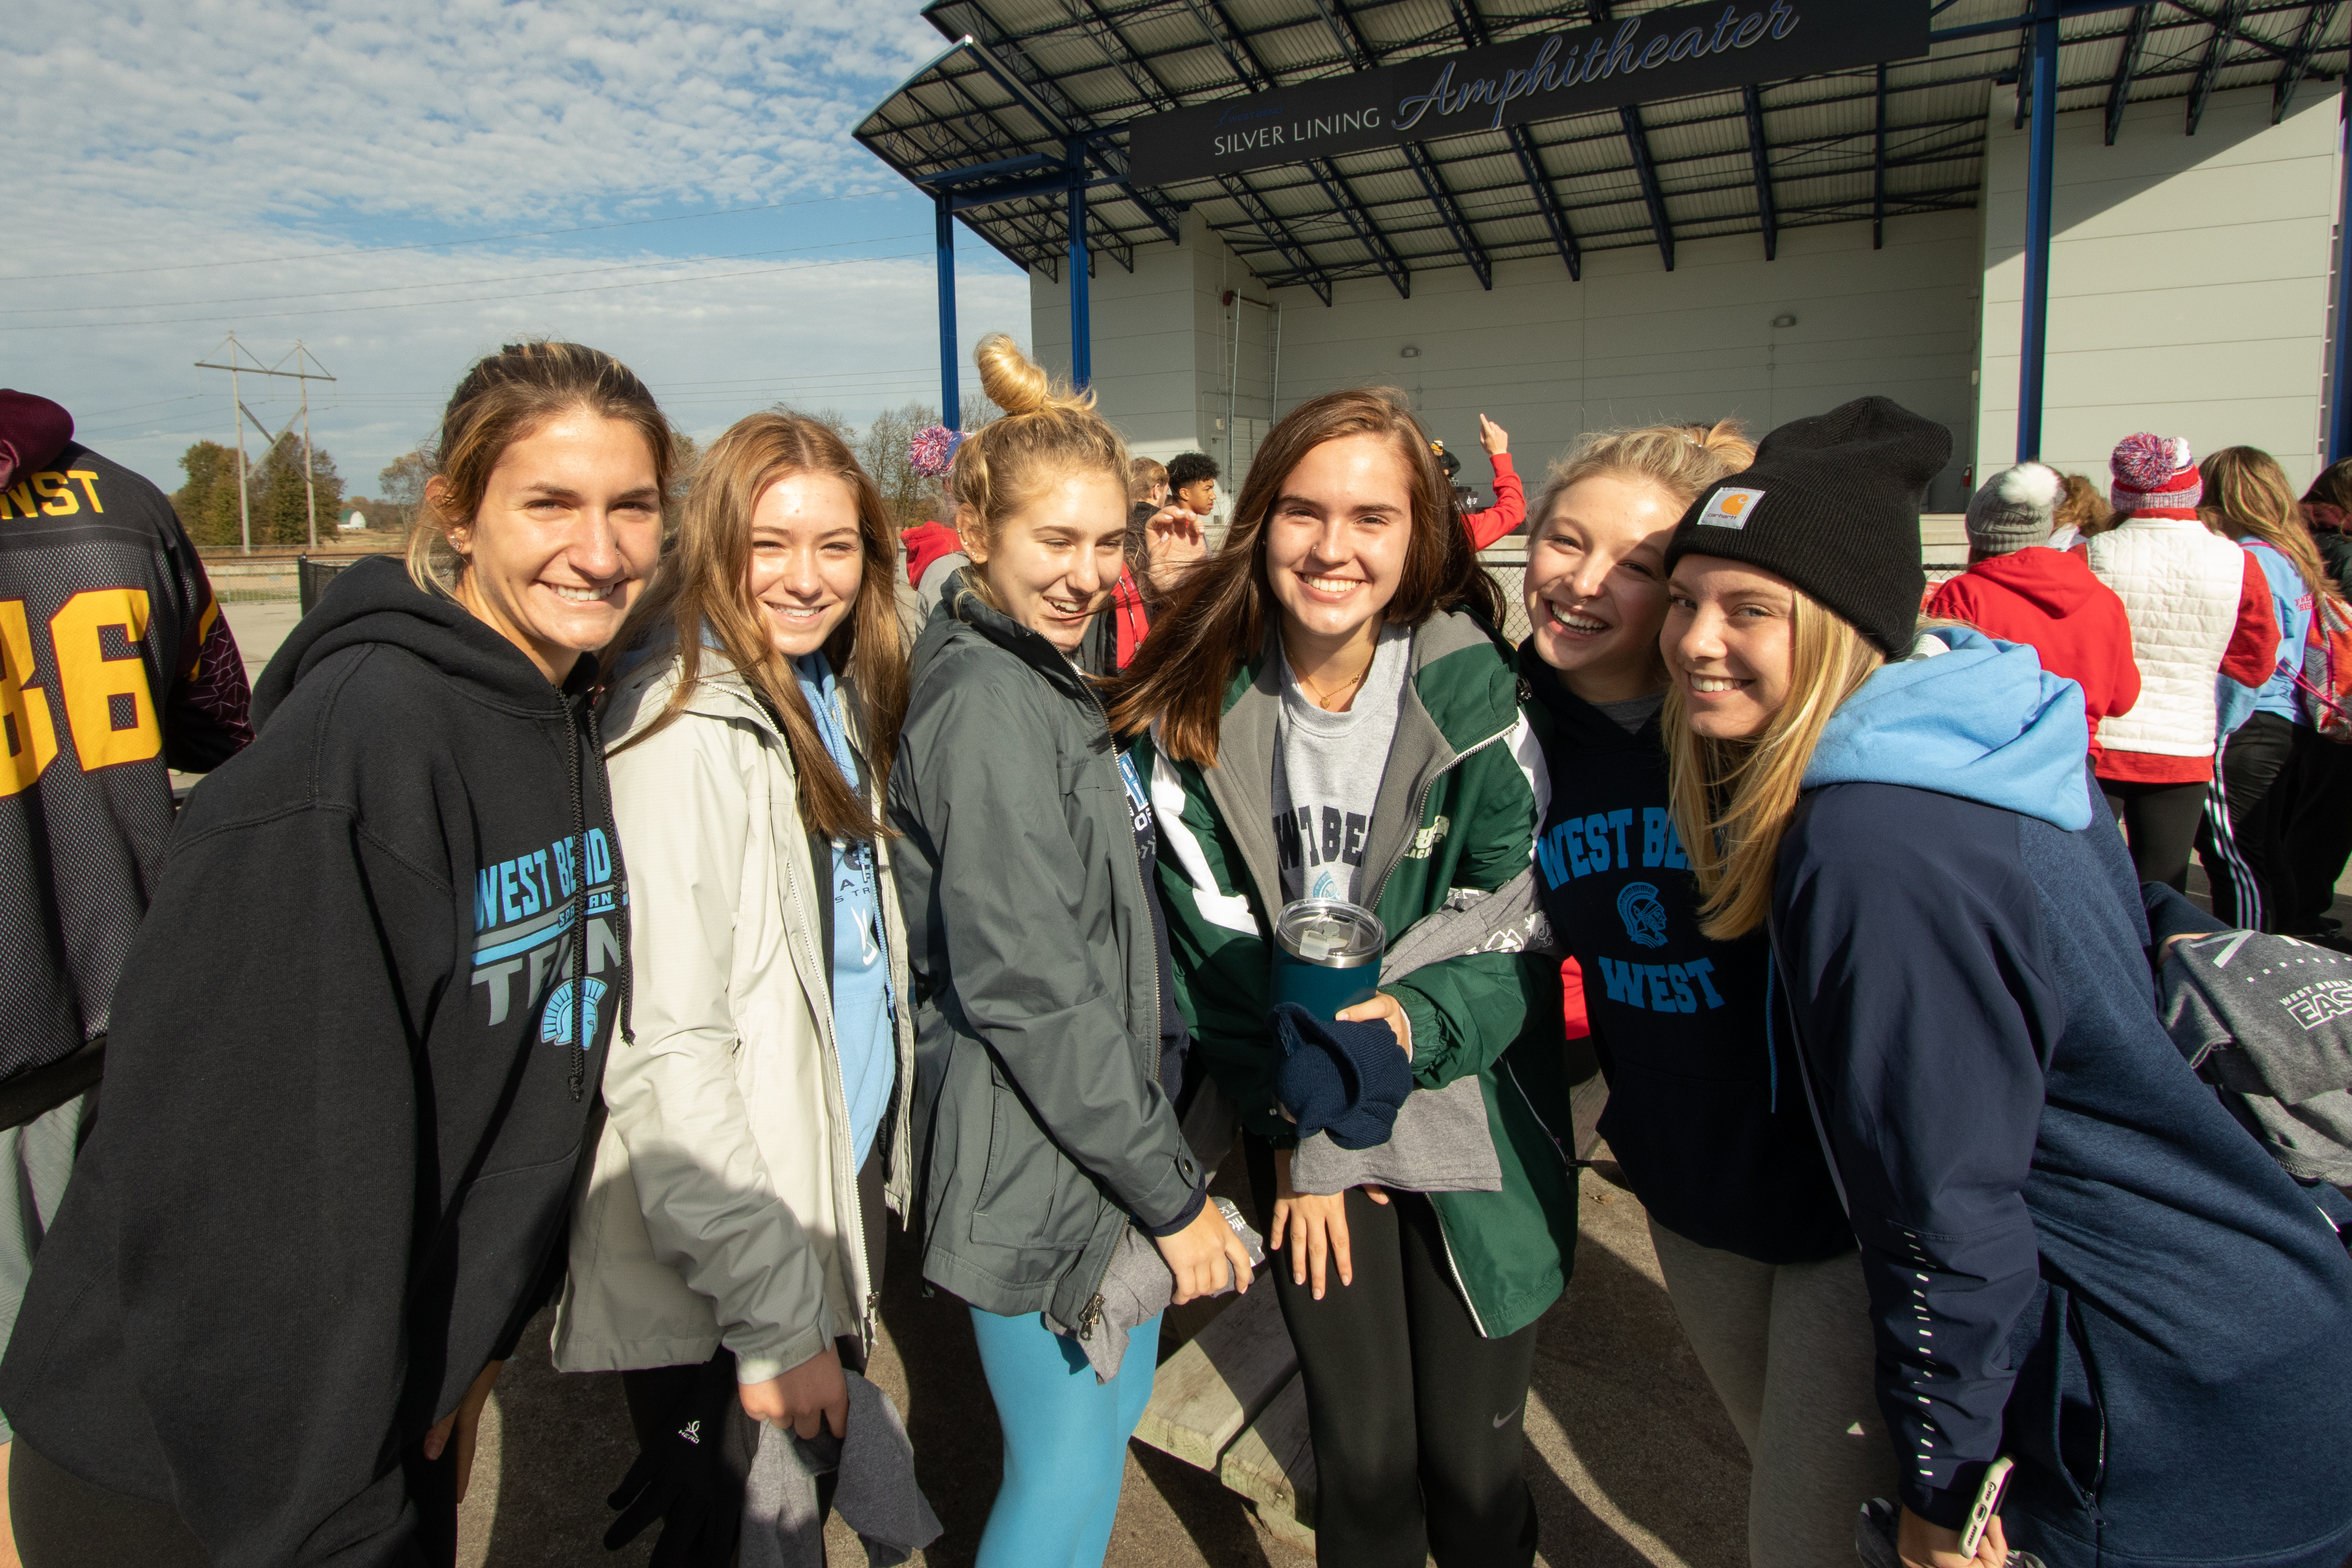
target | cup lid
x=1332, y=933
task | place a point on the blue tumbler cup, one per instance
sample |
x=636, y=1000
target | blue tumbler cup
x=1326, y=954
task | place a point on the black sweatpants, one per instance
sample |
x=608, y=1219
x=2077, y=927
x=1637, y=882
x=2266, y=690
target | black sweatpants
x=2313, y=822
x=2160, y=823
x=2237, y=841
x=1417, y=1421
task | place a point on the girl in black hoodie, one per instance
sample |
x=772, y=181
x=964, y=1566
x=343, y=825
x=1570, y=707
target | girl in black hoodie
x=1703, y=1114
x=354, y=1052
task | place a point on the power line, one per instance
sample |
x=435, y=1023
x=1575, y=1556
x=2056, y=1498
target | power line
x=467, y=282
x=438, y=243
x=473, y=300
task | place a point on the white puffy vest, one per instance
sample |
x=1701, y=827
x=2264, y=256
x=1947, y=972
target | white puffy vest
x=2179, y=583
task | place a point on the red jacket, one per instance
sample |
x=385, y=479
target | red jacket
x=1510, y=508
x=2049, y=600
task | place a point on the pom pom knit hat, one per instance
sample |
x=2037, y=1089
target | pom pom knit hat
x=2013, y=510
x=2155, y=476
x=1832, y=503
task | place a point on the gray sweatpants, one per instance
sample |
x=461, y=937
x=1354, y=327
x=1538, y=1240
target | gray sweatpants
x=1788, y=1348
x=35, y=1160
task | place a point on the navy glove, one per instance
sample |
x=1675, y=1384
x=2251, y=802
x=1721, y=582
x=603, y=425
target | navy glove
x=691, y=1478
x=1347, y=1079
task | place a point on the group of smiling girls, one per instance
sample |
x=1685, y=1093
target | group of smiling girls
x=846, y=915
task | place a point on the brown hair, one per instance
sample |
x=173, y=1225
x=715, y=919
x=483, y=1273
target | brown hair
x=1681, y=459
x=1732, y=800
x=703, y=588
x=1046, y=432
x=1143, y=473
x=503, y=399
x=1218, y=618
x=2333, y=486
x=2082, y=507
x=2251, y=499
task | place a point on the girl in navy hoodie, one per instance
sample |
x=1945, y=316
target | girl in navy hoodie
x=1702, y=1115
x=2076, y=1259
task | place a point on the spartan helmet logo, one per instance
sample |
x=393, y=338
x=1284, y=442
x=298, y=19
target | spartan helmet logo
x=556, y=1020
x=1644, y=916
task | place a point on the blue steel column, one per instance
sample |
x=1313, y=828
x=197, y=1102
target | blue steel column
x=2339, y=360
x=1082, y=358
x=2040, y=160
x=950, y=399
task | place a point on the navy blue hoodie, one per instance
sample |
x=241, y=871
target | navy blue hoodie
x=1703, y=1111
x=344, y=1106
x=2074, y=1256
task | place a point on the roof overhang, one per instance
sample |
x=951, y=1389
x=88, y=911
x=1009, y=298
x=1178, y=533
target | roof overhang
x=1036, y=94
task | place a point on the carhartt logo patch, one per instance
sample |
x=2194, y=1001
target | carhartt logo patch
x=1729, y=507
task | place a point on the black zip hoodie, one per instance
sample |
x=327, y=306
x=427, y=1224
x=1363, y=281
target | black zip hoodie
x=1704, y=1113
x=343, y=1109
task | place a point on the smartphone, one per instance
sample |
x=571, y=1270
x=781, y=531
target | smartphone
x=1988, y=1503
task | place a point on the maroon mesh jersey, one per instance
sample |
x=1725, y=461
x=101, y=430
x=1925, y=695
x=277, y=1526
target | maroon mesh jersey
x=115, y=665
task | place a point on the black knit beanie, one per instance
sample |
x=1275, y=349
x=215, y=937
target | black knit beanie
x=1832, y=503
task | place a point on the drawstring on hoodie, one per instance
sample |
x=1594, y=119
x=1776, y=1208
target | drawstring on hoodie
x=577, y=1082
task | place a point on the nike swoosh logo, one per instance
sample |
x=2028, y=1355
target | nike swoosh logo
x=1505, y=1416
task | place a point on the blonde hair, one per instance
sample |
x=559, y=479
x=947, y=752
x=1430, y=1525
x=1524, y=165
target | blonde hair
x=702, y=590
x=2251, y=499
x=1732, y=799
x=1682, y=459
x=504, y=398
x=1046, y=432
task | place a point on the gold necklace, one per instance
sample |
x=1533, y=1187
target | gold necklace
x=1323, y=699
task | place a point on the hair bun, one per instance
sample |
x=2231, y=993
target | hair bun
x=1012, y=381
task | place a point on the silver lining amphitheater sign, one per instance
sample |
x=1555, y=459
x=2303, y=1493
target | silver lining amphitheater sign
x=1656, y=55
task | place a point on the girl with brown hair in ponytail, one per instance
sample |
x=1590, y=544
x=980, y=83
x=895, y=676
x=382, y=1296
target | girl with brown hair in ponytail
x=726, y=1252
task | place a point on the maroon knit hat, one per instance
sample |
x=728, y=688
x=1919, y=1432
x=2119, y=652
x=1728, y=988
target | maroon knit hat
x=2155, y=476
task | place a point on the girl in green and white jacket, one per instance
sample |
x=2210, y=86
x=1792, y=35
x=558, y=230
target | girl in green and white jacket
x=1327, y=720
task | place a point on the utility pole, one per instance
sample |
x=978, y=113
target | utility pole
x=237, y=354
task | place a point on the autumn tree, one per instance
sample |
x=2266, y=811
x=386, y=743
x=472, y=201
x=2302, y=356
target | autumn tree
x=401, y=490
x=206, y=503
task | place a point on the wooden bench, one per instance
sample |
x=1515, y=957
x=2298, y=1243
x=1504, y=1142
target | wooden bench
x=1231, y=1399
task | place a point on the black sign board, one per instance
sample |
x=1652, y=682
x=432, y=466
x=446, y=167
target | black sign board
x=1656, y=55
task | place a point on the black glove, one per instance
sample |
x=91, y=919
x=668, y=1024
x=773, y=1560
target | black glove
x=691, y=1478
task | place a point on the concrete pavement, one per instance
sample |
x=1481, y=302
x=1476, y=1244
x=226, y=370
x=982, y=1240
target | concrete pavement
x=1630, y=1458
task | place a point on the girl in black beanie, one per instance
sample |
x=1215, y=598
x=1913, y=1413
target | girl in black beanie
x=2076, y=1259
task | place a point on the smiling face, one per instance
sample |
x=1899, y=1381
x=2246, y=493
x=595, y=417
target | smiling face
x=1596, y=585
x=1054, y=563
x=1335, y=541
x=569, y=528
x=1730, y=644
x=806, y=560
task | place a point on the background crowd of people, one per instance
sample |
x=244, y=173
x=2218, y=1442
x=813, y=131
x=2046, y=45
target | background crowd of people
x=632, y=904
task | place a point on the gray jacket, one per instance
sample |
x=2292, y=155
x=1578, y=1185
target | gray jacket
x=1040, y=1127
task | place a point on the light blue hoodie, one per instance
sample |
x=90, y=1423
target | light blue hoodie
x=1968, y=716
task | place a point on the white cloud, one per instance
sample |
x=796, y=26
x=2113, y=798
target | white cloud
x=235, y=130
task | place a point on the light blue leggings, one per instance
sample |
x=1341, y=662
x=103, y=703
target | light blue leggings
x=1065, y=1440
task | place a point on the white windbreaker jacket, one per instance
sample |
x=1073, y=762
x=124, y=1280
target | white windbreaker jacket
x=721, y=1208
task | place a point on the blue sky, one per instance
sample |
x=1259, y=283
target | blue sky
x=391, y=189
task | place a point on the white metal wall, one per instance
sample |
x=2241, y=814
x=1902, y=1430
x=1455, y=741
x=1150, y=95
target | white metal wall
x=1547, y=357
x=2189, y=280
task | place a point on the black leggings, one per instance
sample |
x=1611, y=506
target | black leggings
x=2159, y=822
x=2239, y=839
x=2313, y=804
x=1417, y=1421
